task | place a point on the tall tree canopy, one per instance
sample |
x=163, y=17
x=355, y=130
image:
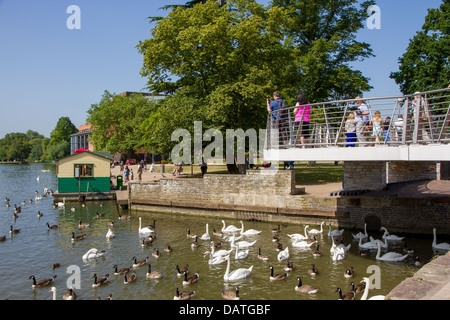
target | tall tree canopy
x=116, y=121
x=425, y=64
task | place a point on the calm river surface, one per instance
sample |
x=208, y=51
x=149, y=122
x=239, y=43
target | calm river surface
x=35, y=249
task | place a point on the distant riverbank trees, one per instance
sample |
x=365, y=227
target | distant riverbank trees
x=33, y=146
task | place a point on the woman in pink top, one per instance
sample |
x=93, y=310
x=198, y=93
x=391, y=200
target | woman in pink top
x=302, y=119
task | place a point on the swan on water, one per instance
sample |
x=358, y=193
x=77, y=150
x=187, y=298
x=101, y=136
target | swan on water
x=391, y=237
x=339, y=254
x=249, y=232
x=206, y=235
x=334, y=233
x=389, y=256
x=240, y=254
x=283, y=255
x=366, y=292
x=230, y=228
x=110, y=234
x=237, y=274
x=315, y=231
x=372, y=244
x=443, y=246
x=221, y=252
x=242, y=244
x=69, y=295
x=93, y=254
x=298, y=235
x=360, y=234
x=303, y=243
x=145, y=229
x=215, y=260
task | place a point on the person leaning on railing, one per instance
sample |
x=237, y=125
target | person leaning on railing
x=361, y=118
x=302, y=111
x=350, y=130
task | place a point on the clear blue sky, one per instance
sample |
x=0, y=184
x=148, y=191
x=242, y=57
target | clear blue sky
x=48, y=71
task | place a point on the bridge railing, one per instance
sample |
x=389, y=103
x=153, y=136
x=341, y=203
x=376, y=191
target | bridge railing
x=421, y=118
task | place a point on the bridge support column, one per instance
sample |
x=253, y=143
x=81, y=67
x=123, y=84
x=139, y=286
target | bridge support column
x=400, y=171
x=364, y=175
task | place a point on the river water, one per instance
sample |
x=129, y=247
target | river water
x=35, y=249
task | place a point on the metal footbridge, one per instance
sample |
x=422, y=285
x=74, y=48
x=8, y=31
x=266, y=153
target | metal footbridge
x=404, y=128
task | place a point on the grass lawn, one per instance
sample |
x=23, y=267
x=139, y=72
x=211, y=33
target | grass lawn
x=323, y=172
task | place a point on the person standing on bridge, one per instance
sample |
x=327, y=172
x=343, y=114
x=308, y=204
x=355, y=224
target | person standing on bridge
x=361, y=118
x=278, y=124
x=302, y=111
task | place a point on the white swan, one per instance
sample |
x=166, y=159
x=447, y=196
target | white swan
x=372, y=244
x=360, y=234
x=61, y=204
x=390, y=256
x=215, y=260
x=283, y=255
x=206, y=235
x=302, y=243
x=145, y=229
x=230, y=228
x=93, y=254
x=249, y=232
x=315, y=231
x=221, y=252
x=110, y=234
x=237, y=274
x=345, y=247
x=241, y=244
x=240, y=254
x=444, y=246
x=298, y=235
x=366, y=292
x=339, y=254
x=334, y=233
x=391, y=237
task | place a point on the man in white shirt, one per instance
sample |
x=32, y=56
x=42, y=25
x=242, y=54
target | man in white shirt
x=361, y=118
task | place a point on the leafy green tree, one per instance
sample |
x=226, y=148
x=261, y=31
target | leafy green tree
x=59, y=150
x=15, y=146
x=425, y=64
x=116, y=122
x=64, y=128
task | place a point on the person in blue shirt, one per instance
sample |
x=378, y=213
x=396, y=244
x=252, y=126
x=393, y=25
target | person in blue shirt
x=272, y=105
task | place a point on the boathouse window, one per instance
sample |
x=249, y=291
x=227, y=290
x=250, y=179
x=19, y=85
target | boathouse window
x=83, y=170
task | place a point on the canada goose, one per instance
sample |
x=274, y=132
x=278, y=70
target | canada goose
x=7, y=199
x=7, y=205
x=100, y=281
x=17, y=209
x=218, y=244
x=279, y=247
x=100, y=215
x=120, y=271
x=82, y=225
x=156, y=253
x=69, y=295
x=40, y=214
x=147, y=242
x=30, y=200
x=190, y=235
x=14, y=231
x=195, y=243
x=56, y=265
x=407, y=250
x=317, y=253
x=275, y=238
x=22, y=202
x=191, y=279
x=349, y=273
x=289, y=266
x=185, y=295
x=306, y=288
x=249, y=232
x=42, y=283
x=359, y=287
x=182, y=271
x=78, y=237
x=444, y=246
x=2, y=238
x=15, y=216
x=130, y=277
x=153, y=275
x=278, y=276
x=53, y=226
x=348, y=296
x=108, y=297
x=153, y=225
x=313, y=271
x=277, y=229
x=139, y=263
x=230, y=294
x=168, y=248
x=111, y=223
x=124, y=217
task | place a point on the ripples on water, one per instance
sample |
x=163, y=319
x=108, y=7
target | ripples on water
x=34, y=250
